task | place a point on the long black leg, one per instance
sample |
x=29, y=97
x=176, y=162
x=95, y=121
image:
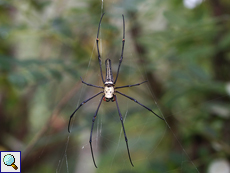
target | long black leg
x=126, y=139
x=80, y=106
x=99, y=56
x=140, y=104
x=90, y=139
x=91, y=84
x=122, y=50
x=130, y=85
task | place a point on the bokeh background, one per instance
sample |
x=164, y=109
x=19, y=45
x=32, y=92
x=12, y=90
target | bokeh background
x=180, y=47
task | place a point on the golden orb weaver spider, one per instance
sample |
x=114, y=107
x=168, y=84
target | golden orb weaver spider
x=109, y=91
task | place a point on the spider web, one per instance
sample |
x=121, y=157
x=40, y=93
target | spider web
x=151, y=141
x=84, y=162
x=98, y=124
x=65, y=157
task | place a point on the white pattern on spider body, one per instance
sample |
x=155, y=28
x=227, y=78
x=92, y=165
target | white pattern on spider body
x=109, y=90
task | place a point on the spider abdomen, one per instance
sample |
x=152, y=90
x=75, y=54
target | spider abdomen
x=109, y=74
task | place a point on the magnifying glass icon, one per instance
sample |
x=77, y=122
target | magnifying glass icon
x=9, y=160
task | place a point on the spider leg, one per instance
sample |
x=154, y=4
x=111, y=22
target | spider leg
x=80, y=106
x=91, y=84
x=99, y=56
x=130, y=85
x=126, y=139
x=140, y=104
x=90, y=139
x=122, y=50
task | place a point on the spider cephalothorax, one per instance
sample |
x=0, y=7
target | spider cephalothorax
x=109, y=91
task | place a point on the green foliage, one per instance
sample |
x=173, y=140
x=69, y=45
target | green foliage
x=183, y=53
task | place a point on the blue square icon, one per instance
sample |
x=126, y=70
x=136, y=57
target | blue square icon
x=10, y=161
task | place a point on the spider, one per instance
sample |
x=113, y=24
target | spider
x=109, y=91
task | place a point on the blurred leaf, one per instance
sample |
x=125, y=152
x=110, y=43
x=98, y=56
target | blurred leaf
x=198, y=72
x=38, y=76
x=4, y=31
x=4, y=2
x=71, y=71
x=5, y=63
x=181, y=77
x=61, y=27
x=55, y=73
x=174, y=18
x=225, y=41
x=130, y=5
x=219, y=108
x=40, y=5
x=18, y=80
